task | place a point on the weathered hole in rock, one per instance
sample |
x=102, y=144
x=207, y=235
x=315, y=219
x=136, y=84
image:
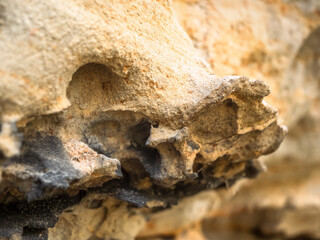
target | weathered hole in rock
x=159, y=75
x=123, y=137
x=89, y=142
x=95, y=87
x=96, y=147
x=52, y=163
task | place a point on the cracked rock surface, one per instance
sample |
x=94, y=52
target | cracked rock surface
x=110, y=117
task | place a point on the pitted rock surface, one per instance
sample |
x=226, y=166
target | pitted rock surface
x=108, y=110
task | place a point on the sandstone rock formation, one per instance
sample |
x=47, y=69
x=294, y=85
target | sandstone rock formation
x=113, y=125
x=277, y=41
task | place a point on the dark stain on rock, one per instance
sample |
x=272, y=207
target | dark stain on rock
x=33, y=219
x=46, y=163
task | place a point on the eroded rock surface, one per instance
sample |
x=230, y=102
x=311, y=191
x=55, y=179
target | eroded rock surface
x=277, y=41
x=109, y=115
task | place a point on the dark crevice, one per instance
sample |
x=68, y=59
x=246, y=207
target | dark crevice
x=133, y=170
x=34, y=234
x=140, y=132
x=106, y=137
x=127, y=189
x=33, y=219
x=2, y=157
x=251, y=170
x=116, y=134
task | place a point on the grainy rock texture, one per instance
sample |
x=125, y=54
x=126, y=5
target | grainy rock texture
x=277, y=41
x=115, y=123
